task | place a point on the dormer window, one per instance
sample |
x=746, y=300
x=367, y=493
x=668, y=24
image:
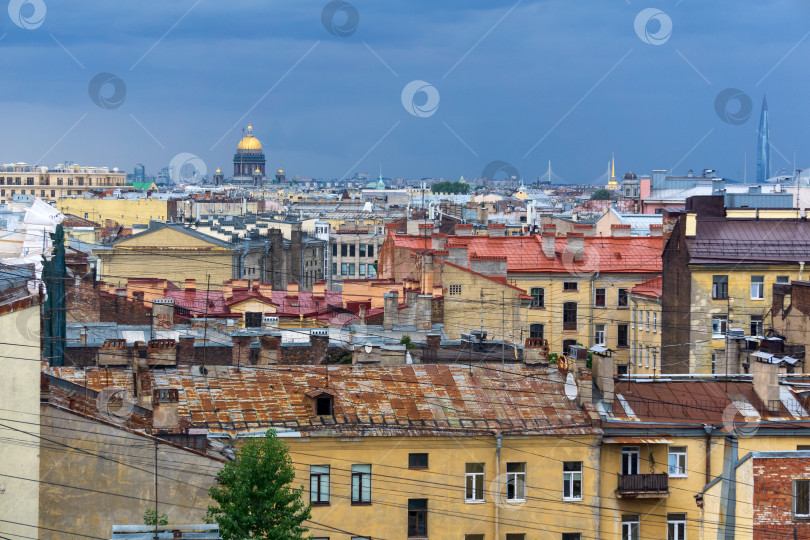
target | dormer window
x=322, y=403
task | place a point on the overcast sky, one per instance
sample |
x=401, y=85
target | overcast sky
x=570, y=81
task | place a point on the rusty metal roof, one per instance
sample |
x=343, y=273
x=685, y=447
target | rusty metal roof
x=372, y=400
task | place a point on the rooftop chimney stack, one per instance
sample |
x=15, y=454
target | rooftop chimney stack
x=575, y=245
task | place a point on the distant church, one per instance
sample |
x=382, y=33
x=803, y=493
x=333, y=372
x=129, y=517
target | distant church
x=248, y=164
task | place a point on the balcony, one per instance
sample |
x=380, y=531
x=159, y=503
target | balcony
x=643, y=486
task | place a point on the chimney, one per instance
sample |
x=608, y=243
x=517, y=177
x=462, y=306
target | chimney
x=191, y=285
x=489, y=265
x=113, y=353
x=766, y=383
x=584, y=386
x=457, y=254
x=587, y=229
x=163, y=313
x=161, y=352
x=83, y=335
x=575, y=245
x=165, y=409
x=271, y=349
x=437, y=241
x=240, y=354
x=361, y=312
x=535, y=351
x=602, y=367
x=427, y=273
x=423, y=311
x=265, y=289
x=549, y=241
x=657, y=229
x=292, y=289
x=619, y=231
x=319, y=345
x=464, y=229
x=185, y=350
x=496, y=230
x=391, y=307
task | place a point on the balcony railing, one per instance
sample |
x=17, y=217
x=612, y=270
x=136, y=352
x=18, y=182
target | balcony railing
x=643, y=485
x=569, y=325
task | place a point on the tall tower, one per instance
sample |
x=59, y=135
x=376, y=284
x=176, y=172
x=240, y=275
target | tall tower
x=763, y=144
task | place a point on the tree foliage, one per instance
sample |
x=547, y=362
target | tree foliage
x=255, y=497
x=150, y=517
x=450, y=187
x=601, y=194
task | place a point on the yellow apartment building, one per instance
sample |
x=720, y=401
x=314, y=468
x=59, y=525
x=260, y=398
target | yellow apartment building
x=645, y=328
x=125, y=212
x=52, y=184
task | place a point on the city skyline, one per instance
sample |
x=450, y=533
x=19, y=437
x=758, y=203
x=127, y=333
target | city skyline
x=327, y=102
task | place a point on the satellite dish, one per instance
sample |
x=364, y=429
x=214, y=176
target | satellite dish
x=570, y=387
x=369, y=348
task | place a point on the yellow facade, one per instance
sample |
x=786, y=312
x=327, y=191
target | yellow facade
x=645, y=335
x=125, y=212
x=51, y=185
x=737, y=308
x=542, y=512
x=168, y=254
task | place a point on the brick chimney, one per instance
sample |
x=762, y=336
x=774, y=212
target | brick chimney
x=549, y=242
x=575, y=245
x=191, y=285
x=391, y=307
x=165, y=409
x=240, y=354
x=163, y=313
x=319, y=345
x=423, y=311
x=618, y=230
x=426, y=286
x=489, y=265
x=657, y=229
x=185, y=350
x=766, y=383
x=464, y=229
x=457, y=253
x=161, y=352
x=496, y=230
x=437, y=241
x=587, y=229
x=271, y=349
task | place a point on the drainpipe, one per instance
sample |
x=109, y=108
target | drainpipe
x=497, y=483
x=593, y=299
x=659, y=328
x=708, y=429
x=634, y=319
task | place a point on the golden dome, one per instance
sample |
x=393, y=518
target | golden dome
x=218, y=170
x=280, y=171
x=249, y=142
x=257, y=171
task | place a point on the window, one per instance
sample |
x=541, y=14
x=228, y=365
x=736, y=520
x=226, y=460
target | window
x=634, y=317
x=473, y=537
x=344, y=269
x=719, y=287
x=362, y=250
x=474, y=481
x=518, y=536
x=417, y=518
x=569, y=316
x=599, y=334
x=319, y=484
x=719, y=325
x=779, y=279
x=714, y=363
x=569, y=285
x=536, y=331
x=344, y=250
x=323, y=406
x=351, y=269
x=630, y=526
x=572, y=481
x=599, y=298
x=676, y=526
x=352, y=250
x=647, y=323
x=801, y=498
x=515, y=481
x=621, y=335
x=677, y=461
x=334, y=250
x=334, y=269
x=371, y=250
x=417, y=461
x=571, y=536
x=756, y=325
x=630, y=460
x=655, y=321
x=757, y=287
x=538, y=297
x=362, y=269
x=454, y=290
x=623, y=297
x=647, y=356
x=253, y=319
x=361, y=484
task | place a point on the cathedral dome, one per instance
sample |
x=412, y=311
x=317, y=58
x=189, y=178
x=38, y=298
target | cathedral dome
x=249, y=142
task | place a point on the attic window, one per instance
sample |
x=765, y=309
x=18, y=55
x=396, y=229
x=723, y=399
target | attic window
x=323, y=405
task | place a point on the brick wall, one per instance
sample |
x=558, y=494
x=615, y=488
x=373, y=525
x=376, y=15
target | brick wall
x=120, y=309
x=773, y=498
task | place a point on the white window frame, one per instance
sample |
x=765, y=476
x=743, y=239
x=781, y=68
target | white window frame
x=655, y=321
x=676, y=527
x=454, y=290
x=647, y=317
x=472, y=482
x=361, y=484
x=722, y=321
x=318, y=492
x=631, y=528
x=758, y=288
x=535, y=303
x=599, y=333
x=518, y=480
x=795, y=483
x=569, y=477
x=646, y=356
x=760, y=324
x=679, y=453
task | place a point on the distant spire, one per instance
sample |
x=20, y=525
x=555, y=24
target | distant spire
x=763, y=144
x=613, y=166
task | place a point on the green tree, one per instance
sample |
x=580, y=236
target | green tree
x=407, y=341
x=150, y=517
x=450, y=187
x=254, y=495
x=601, y=194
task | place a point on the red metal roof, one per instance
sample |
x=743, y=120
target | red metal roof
x=652, y=287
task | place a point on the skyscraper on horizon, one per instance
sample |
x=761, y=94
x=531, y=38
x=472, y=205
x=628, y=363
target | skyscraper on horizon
x=763, y=144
